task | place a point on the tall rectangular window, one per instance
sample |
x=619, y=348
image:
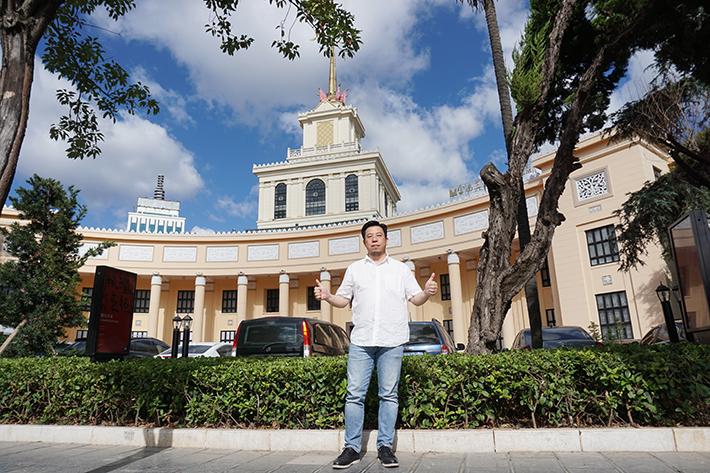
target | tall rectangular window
x=449, y=326
x=229, y=301
x=550, y=316
x=86, y=295
x=185, y=302
x=81, y=335
x=445, y=287
x=351, y=193
x=272, y=300
x=602, y=246
x=141, y=301
x=280, y=201
x=313, y=303
x=614, y=318
x=545, y=274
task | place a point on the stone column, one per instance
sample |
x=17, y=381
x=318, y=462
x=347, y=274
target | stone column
x=198, y=319
x=456, y=298
x=154, y=308
x=242, y=283
x=326, y=311
x=283, y=294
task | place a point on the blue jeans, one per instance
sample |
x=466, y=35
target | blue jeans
x=361, y=361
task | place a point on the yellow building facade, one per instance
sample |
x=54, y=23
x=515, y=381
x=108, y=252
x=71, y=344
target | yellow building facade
x=311, y=208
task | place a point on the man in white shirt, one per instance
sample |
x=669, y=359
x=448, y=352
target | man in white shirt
x=378, y=288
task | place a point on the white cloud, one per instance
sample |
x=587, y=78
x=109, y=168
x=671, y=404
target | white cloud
x=134, y=152
x=639, y=75
x=251, y=83
x=239, y=209
x=512, y=16
x=412, y=138
x=197, y=230
x=169, y=100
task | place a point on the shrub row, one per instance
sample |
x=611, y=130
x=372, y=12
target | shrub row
x=666, y=385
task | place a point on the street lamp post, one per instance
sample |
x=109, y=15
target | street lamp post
x=177, y=323
x=664, y=295
x=186, y=322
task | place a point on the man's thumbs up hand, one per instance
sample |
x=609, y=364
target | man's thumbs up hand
x=320, y=292
x=430, y=287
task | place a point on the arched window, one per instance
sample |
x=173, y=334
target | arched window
x=280, y=201
x=315, y=197
x=351, y=193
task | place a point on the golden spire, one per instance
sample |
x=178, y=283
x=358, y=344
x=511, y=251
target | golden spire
x=332, y=82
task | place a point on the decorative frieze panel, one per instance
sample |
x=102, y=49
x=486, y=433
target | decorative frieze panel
x=180, y=254
x=428, y=232
x=341, y=246
x=394, y=238
x=307, y=249
x=471, y=222
x=262, y=252
x=90, y=246
x=135, y=253
x=222, y=254
x=592, y=186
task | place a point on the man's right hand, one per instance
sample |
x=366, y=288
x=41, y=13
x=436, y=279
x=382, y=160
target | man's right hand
x=321, y=293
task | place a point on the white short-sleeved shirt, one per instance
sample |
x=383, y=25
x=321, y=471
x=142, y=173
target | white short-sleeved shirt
x=379, y=295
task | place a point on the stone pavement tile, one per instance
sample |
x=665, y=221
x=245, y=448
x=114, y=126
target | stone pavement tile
x=439, y=463
x=535, y=463
x=267, y=463
x=150, y=459
x=20, y=447
x=307, y=463
x=585, y=462
x=686, y=462
x=487, y=463
x=633, y=462
x=231, y=461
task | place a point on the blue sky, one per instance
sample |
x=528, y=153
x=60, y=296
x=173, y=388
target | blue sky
x=422, y=83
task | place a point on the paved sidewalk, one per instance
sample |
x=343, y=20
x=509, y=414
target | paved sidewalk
x=37, y=457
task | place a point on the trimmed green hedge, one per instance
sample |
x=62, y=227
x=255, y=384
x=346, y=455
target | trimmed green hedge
x=665, y=385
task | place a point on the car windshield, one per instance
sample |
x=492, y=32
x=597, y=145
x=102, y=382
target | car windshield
x=422, y=333
x=560, y=333
x=270, y=332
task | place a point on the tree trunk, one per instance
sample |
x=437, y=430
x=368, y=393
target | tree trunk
x=21, y=27
x=506, y=107
x=8, y=340
x=506, y=113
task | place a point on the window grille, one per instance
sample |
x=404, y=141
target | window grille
x=351, y=193
x=280, y=201
x=614, y=318
x=602, y=245
x=315, y=197
x=229, y=301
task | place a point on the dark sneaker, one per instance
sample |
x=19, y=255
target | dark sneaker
x=346, y=459
x=386, y=457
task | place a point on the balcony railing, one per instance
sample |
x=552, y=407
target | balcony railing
x=300, y=153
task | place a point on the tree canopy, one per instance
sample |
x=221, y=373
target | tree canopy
x=39, y=283
x=99, y=85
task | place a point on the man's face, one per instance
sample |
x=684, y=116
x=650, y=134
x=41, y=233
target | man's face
x=375, y=241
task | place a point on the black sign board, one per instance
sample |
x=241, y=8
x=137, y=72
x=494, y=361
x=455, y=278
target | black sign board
x=111, y=316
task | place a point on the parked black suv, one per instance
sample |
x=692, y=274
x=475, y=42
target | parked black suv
x=289, y=336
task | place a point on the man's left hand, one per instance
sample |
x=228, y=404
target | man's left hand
x=430, y=287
